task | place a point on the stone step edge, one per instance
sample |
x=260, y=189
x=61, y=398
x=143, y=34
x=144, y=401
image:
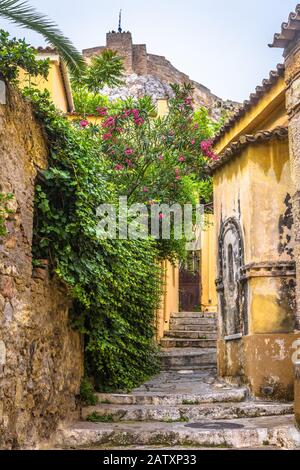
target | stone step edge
x=177, y=413
x=157, y=399
x=282, y=434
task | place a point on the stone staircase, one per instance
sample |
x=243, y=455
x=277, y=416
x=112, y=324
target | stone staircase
x=190, y=343
x=181, y=409
x=185, y=406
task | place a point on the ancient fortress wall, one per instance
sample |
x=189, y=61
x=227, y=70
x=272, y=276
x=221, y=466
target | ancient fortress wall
x=41, y=359
x=138, y=61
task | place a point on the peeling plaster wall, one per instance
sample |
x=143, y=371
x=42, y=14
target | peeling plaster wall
x=41, y=358
x=254, y=188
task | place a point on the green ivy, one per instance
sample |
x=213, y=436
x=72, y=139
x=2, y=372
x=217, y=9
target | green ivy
x=115, y=284
x=16, y=54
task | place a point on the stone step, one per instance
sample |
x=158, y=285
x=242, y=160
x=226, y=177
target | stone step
x=190, y=334
x=218, y=411
x=224, y=395
x=187, y=343
x=193, y=315
x=188, y=358
x=255, y=432
x=192, y=327
x=193, y=321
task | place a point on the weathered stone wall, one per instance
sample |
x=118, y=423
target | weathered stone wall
x=41, y=362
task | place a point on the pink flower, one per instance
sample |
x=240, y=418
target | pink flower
x=212, y=155
x=129, y=162
x=196, y=126
x=178, y=177
x=161, y=157
x=135, y=113
x=109, y=122
x=171, y=133
x=128, y=151
x=102, y=111
x=119, y=130
x=206, y=146
x=119, y=167
x=193, y=142
x=181, y=158
x=161, y=216
x=126, y=113
x=84, y=123
x=107, y=136
x=139, y=121
x=188, y=101
x=145, y=190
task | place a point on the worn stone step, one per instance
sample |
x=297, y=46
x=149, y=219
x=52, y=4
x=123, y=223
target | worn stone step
x=193, y=327
x=218, y=411
x=254, y=432
x=193, y=321
x=191, y=334
x=193, y=315
x=225, y=395
x=187, y=343
x=188, y=358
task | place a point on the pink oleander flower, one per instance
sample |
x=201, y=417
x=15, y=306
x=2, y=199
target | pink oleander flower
x=171, y=133
x=107, y=136
x=119, y=167
x=139, y=121
x=101, y=111
x=84, y=123
x=129, y=162
x=119, y=130
x=109, y=122
x=188, y=101
x=161, y=157
x=135, y=113
x=206, y=146
x=181, y=158
x=129, y=151
x=178, y=177
x=212, y=155
x=145, y=190
x=193, y=142
x=161, y=216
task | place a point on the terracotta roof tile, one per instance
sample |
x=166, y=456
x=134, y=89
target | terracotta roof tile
x=46, y=50
x=289, y=30
x=253, y=99
x=236, y=147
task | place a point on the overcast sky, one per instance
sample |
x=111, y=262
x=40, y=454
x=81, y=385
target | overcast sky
x=222, y=44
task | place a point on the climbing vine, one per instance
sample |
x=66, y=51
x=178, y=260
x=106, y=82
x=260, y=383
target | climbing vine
x=115, y=284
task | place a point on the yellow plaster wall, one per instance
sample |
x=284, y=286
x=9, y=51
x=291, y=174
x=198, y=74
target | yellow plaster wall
x=208, y=260
x=253, y=188
x=170, y=298
x=54, y=84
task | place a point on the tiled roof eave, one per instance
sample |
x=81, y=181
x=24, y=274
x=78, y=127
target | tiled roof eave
x=289, y=30
x=260, y=91
x=244, y=141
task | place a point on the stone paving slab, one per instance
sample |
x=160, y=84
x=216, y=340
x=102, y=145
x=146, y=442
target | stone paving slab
x=214, y=411
x=177, y=388
x=254, y=432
